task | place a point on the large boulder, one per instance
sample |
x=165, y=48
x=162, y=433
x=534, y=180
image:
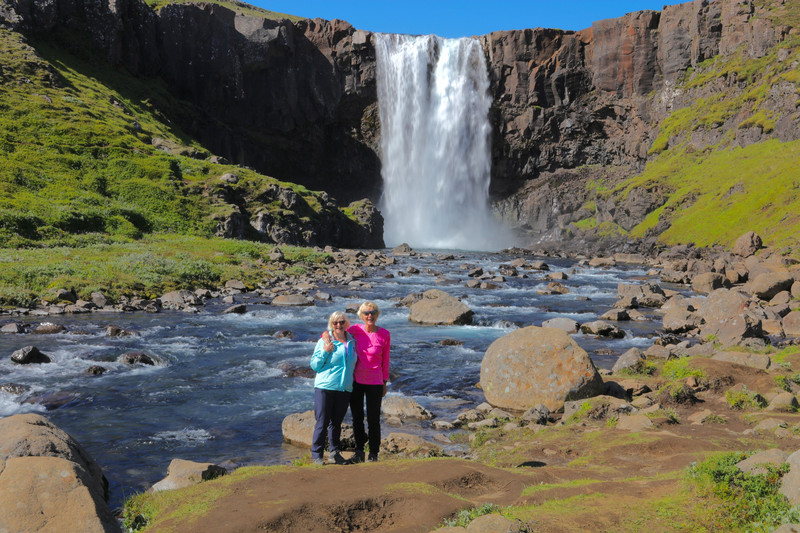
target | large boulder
x=647, y=295
x=57, y=484
x=439, y=308
x=708, y=282
x=403, y=407
x=747, y=244
x=533, y=365
x=298, y=429
x=791, y=324
x=765, y=286
x=182, y=473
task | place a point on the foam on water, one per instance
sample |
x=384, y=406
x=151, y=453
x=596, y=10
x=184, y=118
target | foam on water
x=184, y=437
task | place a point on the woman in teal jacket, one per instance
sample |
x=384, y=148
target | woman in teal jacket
x=334, y=360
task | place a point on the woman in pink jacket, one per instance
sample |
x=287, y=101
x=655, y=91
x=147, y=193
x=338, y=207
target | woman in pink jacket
x=369, y=380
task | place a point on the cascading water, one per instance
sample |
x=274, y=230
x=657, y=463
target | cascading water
x=434, y=105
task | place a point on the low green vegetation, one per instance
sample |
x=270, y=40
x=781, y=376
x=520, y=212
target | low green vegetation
x=733, y=500
x=240, y=8
x=143, y=268
x=463, y=518
x=744, y=398
x=677, y=369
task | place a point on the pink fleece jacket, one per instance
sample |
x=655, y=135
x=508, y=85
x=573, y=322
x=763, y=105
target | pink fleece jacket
x=372, y=366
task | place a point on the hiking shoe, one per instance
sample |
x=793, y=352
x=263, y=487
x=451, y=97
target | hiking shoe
x=337, y=458
x=358, y=457
x=317, y=461
x=373, y=458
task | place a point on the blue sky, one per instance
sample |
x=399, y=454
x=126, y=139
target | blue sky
x=461, y=18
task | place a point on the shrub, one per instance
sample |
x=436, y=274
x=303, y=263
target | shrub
x=741, y=501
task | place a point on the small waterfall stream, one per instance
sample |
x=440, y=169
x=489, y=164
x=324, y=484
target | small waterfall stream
x=434, y=104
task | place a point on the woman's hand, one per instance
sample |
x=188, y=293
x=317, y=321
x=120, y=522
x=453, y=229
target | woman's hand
x=327, y=342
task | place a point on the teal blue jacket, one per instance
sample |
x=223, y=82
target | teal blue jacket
x=334, y=370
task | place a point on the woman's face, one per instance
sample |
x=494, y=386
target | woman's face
x=369, y=316
x=339, y=325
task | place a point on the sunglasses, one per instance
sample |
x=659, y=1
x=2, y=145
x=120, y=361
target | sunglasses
x=339, y=323
x=369, y=312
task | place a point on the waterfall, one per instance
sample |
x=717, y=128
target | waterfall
x=434, y=104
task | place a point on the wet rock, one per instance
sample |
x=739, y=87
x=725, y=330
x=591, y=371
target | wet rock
x=29, y=355
x=602, y=328
x=48, y=328
x=532, y=366
x=294, y=371
x=116, y=331
x=403, y=249
x=451, y=342
x=323, y=296
x=137, y=358
x=403, y=407
x=539, y=265
x=439, y=308
x=96, y=370
x=238, y=309
x=292, y=300
x=562, y=323
x=616, y=315
x=284, y=334
x=14, y=388
x=12, y=328
x=182, y=473
x=54, y=400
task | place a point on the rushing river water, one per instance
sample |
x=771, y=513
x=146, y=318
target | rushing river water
x=220, y=395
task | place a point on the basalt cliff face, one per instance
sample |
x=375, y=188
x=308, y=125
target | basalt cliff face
x=570, y=107
x=298, y=101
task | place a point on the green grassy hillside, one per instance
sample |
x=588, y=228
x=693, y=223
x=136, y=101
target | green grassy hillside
x=99, y=191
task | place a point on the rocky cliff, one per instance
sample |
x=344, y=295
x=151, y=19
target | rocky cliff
x=294, y=101
x=298, y=100
x=577, y=106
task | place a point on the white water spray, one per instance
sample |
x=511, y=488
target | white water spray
x=434, y=105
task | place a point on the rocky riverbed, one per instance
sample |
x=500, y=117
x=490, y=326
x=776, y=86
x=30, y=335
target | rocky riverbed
x=730, y=316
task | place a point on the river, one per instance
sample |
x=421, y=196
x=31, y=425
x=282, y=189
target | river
x=219, y=394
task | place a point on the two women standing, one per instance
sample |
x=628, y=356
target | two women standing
x=367, y=382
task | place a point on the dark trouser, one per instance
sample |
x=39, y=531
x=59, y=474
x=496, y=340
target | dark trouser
x=330, y=406
x=374, y=396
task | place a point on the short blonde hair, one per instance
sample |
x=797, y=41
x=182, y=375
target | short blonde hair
x=336, y=316
x=368, y=305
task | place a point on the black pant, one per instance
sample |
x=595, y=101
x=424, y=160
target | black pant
x=330, y=406
x=374, y=396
